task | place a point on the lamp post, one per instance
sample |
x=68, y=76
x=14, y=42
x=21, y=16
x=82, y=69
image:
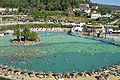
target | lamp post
x=1, y=19
x=20, y=32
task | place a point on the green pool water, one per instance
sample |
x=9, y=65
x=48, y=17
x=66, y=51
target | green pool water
x=116, y=38
x=59, y=52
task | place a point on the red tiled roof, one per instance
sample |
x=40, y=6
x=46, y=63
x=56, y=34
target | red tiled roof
x=87, y=8
x=83, y=4
x=95, y=13
x=94, y=6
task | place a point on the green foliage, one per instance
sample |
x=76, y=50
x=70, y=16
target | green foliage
x=33, y=36
x=77, y=13
x=108, y=7
x=17, y=33
x=45, y=14
x=80, y=13
x=13, y=27
x=26, y=33
x=66, y=26
x=49, y=5
x=105, y=20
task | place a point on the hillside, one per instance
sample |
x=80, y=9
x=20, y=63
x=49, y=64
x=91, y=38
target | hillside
x=109, y=7
x=55, y=10
x=50, y=5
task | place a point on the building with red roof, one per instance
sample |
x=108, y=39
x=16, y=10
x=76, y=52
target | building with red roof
x=94, y=7
x=82, y=6
x=87, y=10
x=95, y=15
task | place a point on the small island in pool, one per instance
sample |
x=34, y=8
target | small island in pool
x=25, y=37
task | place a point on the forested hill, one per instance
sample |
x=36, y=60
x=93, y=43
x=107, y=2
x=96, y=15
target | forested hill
x=42, y=4
x=109, y=7
x=50, y=5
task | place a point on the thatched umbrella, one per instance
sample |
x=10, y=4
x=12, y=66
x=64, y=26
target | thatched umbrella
x=113, y=66
x=40, y=72
x=92, y=70
x=24, y=70
x=58, y=73
x=49, y=73
x=67, y=72
x=111, y=73
x=12, y=68
x=5, y=67
x=76, y=73
x=32, y=71
x=100, y=69
x=18, y=69
x=106, y=67
x=84, y=71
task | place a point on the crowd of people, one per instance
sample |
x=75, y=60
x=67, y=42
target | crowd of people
x=46, y=29
x=99, y=74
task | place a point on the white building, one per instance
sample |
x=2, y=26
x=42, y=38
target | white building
x=82, y=6
x=97, y=28
x=0, y=19
x=95, y=15
x=87, y=10
x=76, y=9
x=9, y=9
x=107, y=15
x=1, y=34
x=78, y=29
x=79, y=24
x=94, y=7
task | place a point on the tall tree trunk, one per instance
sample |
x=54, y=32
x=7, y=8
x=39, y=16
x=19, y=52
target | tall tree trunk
x=25, y=38
x=17, y=38
x=105, y=35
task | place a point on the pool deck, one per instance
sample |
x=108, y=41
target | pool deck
x=110, y=77
x=79, y=78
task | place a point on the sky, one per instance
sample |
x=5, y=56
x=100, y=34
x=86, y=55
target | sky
x=110, y=2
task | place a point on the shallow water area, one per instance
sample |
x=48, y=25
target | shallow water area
x=59, y=52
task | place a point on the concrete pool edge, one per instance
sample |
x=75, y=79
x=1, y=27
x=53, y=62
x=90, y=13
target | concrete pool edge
x=97, y=39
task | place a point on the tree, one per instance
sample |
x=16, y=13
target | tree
x=17, y=33
x=20, y=9
x=89, y=31
x=93, y=30
x=26, y=33
x=119, y=26
x=85, y=28
x=77, y=13
x=106, y=29
x=100, y=31
x=33, y=36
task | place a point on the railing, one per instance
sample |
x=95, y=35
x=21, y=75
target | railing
x=96, y=38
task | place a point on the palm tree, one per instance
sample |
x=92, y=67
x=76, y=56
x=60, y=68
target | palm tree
x=26, y=33
x=17, y=33
x=106, y=29
x=100, y=31
x=93, y=30
x=33, y=36
x=85, y=28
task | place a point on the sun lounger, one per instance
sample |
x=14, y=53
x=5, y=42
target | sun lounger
x=60, y=79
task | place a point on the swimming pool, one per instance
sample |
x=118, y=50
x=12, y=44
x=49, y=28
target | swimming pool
x=59, y=52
